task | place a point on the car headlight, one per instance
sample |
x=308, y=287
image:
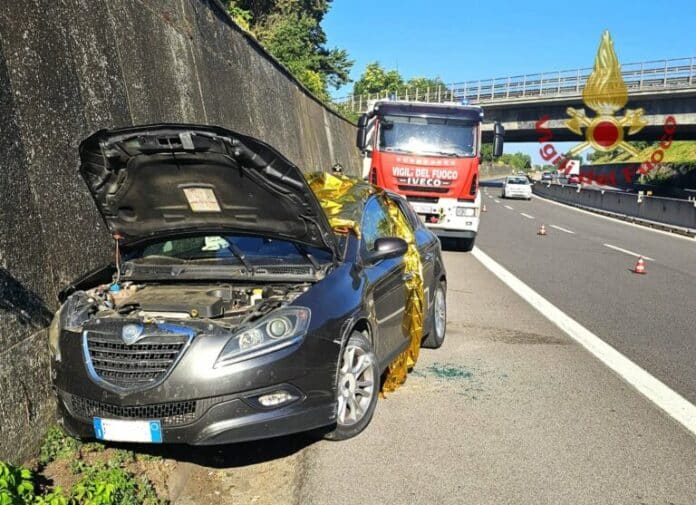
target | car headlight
x=281, y=328
x=54, y=335
x=465, y=212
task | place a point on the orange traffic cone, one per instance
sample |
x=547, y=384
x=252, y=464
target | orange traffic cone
x=484, y=208
x=542, y=230
x=640, y=266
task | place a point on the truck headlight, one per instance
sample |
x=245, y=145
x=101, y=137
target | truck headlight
x=465, y=212
x=54, y=335
x=281, y=328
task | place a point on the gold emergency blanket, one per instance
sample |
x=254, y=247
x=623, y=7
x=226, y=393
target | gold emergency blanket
x=343, y=199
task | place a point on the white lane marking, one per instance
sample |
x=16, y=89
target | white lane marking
x=509, y=208
x=496, y=200
x=615, y=220
x=678, y=407
x=563, y=229
x=527, y=215
x=626, y=251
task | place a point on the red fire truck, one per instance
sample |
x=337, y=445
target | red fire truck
x=429, y=153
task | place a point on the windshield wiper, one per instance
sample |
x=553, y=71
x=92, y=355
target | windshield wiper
x=307, y=255
x=240, y=256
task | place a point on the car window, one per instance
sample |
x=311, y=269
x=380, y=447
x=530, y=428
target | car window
x=517, y=180
x=375, y=224
x=221, y=247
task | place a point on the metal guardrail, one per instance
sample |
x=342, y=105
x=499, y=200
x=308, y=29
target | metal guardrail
x=649, y=75
x=668, y=213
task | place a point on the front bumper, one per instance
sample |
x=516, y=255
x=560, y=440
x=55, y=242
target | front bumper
x=201, y=405
x=221, y=420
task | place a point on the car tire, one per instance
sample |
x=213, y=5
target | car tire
x=464, y=244
x=438, y=326
x=356, y=391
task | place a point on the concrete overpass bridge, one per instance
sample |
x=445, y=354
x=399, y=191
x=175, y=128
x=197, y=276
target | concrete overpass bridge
x=661, y=88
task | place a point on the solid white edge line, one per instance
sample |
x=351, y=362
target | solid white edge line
x=563, y=229
x=626, y=251
x=614, y=220
x=671, y=402
x=509, y=208
x=526, y=215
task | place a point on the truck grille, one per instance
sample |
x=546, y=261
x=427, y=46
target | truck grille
x=136, y=366
x=170, y=414
x=423, y=189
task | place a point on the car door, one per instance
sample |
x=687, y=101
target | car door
x=428, y=246
x=385, y=280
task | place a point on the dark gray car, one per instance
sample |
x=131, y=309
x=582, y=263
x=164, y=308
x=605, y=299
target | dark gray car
x=234, y=311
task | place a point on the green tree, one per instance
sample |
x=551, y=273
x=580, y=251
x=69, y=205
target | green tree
x=291, y=31
x=423, y=83
x=375, y=79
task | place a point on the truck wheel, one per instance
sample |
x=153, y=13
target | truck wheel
x=439, y=319
x=357, y=388
x=465, y=244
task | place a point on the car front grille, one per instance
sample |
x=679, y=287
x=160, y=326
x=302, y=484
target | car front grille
x=135, y=366
x=170, y=414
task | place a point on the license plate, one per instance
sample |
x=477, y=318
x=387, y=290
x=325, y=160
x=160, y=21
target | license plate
x=119, y=430
x=424, y=208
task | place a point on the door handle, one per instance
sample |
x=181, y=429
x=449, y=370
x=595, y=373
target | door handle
x=407, y=277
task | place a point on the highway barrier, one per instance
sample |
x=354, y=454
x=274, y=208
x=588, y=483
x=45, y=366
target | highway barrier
x=675, y=214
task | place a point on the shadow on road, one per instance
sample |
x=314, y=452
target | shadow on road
x=230, y=455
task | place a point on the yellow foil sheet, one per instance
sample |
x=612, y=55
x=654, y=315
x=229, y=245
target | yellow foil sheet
x=343, y=198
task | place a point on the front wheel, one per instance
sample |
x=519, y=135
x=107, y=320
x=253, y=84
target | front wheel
x=439, y=319
x=358, y=385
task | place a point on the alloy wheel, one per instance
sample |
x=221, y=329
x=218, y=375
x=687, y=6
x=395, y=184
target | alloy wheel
x=356, y=385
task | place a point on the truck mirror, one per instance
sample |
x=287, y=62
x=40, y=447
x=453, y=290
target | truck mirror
x=362, y=132
x=498, y=135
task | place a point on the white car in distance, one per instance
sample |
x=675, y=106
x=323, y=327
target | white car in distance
x=517, y=186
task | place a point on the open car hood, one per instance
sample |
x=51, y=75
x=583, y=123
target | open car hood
x=170, y=179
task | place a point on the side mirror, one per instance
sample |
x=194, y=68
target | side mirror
x=361, y=140
x=498, y=135
x=386, y=248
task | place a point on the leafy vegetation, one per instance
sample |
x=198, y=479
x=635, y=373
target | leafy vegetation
x=518, y=161
x=104, y=481
x=56, y=446
x=291, y=31
x=377, y=80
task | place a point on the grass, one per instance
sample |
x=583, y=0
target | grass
x=100, y=476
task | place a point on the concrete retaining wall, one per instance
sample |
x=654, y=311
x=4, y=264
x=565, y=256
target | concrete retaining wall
x=72, y=67
x=667, y=211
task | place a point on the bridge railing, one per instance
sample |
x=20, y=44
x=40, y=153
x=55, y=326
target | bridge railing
x=648, y=75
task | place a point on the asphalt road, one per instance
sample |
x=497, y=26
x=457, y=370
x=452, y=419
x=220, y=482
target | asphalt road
x=651, y=318
x=510, y=410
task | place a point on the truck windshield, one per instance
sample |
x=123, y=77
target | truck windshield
x=429, y=136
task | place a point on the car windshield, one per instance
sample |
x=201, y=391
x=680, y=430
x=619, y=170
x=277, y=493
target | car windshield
x=517, y=180
x=256, y=250
x=434, y=136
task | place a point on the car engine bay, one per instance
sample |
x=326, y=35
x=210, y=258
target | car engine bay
x=228, y=304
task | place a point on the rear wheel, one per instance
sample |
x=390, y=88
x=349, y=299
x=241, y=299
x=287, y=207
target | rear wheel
x=439, y=319
x=358, y=385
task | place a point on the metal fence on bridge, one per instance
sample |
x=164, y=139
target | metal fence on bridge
x=645, y=76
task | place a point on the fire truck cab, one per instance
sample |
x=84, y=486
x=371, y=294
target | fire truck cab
x=429, y=152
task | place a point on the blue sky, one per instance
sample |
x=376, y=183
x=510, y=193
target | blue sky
x=465, y=40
